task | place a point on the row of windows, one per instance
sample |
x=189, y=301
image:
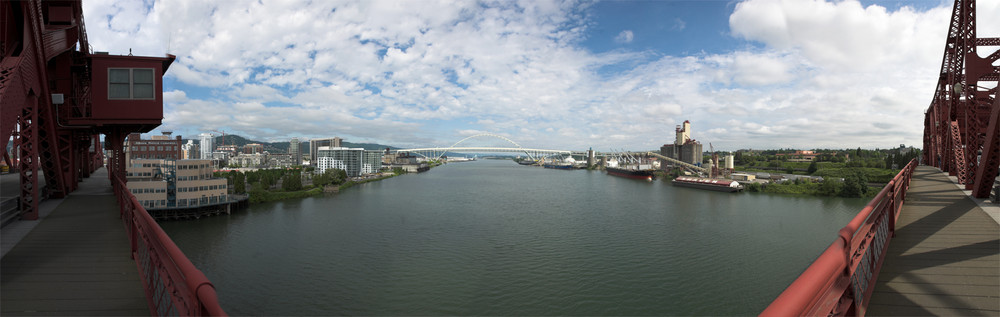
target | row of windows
x=208, y=200
x=194, y=178
x=137, y=148
x=154, y=156
x=148, y=190
x=198, y=188
x=185, y=167
x=201, y=201
x=137, y=174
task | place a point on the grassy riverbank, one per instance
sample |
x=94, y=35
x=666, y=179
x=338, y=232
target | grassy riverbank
x=257, y=197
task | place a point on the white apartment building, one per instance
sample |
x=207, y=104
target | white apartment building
x=354, y=161
x=206, y=146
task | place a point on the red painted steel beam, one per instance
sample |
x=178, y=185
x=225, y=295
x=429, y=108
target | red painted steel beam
x=852, y=262
x=990, y=160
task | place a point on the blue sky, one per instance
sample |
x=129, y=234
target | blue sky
x=547, y=74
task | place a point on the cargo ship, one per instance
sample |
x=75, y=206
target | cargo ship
x=636, y=173
x=722, y=185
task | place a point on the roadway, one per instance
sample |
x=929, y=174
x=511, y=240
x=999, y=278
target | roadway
x=945, y=257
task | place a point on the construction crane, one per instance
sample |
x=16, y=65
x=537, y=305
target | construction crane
x=223, y=136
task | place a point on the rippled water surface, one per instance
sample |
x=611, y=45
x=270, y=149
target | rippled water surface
x=496, y=238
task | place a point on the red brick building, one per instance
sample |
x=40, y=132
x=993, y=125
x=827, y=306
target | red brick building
x=157, y=147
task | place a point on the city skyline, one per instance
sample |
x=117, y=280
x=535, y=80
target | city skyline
x=748, y=74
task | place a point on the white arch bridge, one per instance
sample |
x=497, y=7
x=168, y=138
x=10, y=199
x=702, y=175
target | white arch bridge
x=438, y=152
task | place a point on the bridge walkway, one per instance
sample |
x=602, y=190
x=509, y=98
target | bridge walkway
x=75, y=261
x=945, y=257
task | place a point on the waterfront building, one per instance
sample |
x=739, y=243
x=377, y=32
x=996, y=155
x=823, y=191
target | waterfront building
x=315, y=144
x=157, y=147
x=354, y=161
x=295, y=150
x=407, y=162
x=164, y=183
x=684, y=148
x=206, y=145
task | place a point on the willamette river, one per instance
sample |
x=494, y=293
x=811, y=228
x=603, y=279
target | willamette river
x=496, y=238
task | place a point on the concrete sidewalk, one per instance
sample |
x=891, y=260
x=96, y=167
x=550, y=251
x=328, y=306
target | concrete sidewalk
x=74, y=261
x=945, y=257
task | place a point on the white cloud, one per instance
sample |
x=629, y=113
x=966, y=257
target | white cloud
x=625, y=36
x=430, y=74
x=679, y=24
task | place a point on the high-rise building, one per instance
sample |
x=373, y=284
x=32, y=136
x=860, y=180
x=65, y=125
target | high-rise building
x=314, y=145
x=355, y=162
x=190, y=151
x=206, y=145
x=295, y=150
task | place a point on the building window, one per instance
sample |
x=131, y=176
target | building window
x=130, y=83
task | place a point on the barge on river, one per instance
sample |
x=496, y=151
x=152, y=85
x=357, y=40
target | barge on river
x=722, y=185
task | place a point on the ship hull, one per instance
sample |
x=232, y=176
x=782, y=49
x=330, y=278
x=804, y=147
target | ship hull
x=635, y=174
x=558, y=167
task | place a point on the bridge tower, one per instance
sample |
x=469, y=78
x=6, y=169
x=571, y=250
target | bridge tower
x=57, y=97
x=962, y=123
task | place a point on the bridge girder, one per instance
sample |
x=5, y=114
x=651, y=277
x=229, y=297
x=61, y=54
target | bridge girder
x=961, y=133
x=438, y=152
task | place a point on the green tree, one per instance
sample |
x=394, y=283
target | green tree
x=338, y=176
x=855, y=185
x=830, y=186
x=237, y=182
x=291, y=182
x=813, y=167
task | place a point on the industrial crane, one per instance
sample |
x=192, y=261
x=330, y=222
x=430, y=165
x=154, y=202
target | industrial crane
x=223, y=136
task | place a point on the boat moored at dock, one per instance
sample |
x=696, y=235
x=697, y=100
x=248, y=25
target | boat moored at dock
x=636, y=173
x=722, y=185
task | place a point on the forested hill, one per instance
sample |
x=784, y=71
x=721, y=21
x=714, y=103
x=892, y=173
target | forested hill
x=282, y=147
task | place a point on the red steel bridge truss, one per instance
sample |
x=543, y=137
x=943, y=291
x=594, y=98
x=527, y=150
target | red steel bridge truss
x=55, y=107
x=961, y=136
x=962, y=124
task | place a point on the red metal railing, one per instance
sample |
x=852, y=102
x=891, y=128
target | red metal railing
x=173, y=285
x=840, y=281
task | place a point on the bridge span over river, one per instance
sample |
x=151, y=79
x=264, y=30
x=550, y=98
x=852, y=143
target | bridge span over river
x=84, y=244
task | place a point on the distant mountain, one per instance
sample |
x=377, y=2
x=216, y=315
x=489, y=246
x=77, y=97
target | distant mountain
x=282, y=147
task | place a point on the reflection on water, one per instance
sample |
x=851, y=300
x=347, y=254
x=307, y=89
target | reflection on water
x=496, y=238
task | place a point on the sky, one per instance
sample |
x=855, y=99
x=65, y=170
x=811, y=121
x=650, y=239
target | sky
x=567, y=75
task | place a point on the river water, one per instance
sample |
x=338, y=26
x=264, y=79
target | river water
x=496, y=238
